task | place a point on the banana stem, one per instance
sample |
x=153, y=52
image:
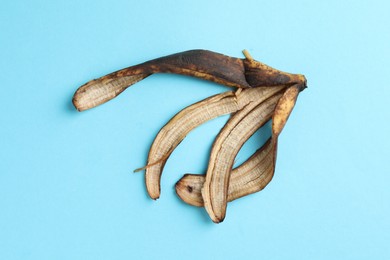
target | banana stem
x=247, y=55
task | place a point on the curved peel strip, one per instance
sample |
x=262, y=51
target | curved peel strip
x=250, y=177
x=176, y=130
x=283, y=109
x=207, y=65
x=225, y=148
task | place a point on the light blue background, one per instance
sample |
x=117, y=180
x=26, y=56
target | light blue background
x=67, y=190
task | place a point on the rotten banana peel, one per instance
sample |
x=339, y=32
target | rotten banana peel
x=260, y=93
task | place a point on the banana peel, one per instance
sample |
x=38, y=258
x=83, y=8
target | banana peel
x=261, y=93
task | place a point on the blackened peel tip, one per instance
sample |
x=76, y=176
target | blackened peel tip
x=154, y=198
x=218, y=220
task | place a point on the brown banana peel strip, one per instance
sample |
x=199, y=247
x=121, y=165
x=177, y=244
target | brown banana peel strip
x=284, y=108
x=189, y=118
x=225, y=148
x=207, y=65
x=202, y=64
x=172, y=134
x=250, y=177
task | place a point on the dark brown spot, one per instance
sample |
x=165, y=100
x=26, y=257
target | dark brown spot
x=190, y=189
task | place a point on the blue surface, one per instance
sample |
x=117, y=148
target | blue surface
x=67, y=190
